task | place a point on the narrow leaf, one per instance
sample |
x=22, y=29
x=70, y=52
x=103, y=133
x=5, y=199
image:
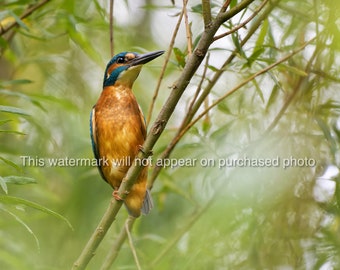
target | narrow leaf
x=16, y=200
x=25, y=226
x=14, y=110
x=2, y=122
x=12, y=132
x=15, y=82
x=18, y=20
x=294, y=70
x=19, y=180
x=180, y=57
x=3, y=185
x=10, y=163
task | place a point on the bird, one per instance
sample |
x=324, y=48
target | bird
x=118, y=128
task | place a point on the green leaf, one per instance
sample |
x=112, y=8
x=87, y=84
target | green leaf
x=258, y=90
x=213, y=68
x=294, y=70
x=236, y=41
x=223, y=107
x=262, y=35
x=232, y=3
x=16, y=200
x=3, y=43
x=2, y=122
x=23, y=96
x=273, y=96
x=18, y=20
x=13, y=110
x=15, y=82
x=12, y=132
x=24, y=225
x=180, y=57
x=197, y=9
x=254, y=56
x=19, y=180
x=10, y=163
x=3, y=185
x=327, y=133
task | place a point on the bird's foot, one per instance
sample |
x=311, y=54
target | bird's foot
x=141, y=148
x=115, y=195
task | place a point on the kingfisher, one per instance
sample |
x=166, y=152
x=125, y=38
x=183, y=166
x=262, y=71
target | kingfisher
x=118, y=129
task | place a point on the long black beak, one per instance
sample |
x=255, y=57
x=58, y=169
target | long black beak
x=144, y=58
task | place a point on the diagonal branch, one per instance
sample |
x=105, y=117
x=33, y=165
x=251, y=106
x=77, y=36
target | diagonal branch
x=24, y=15
x=284, y=59
x=157, y=128
x=167, y=57
x=237, y=27
x=194, y=107
x=206, y=12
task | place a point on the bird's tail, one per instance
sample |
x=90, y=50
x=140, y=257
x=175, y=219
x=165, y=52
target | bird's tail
x=147, y=203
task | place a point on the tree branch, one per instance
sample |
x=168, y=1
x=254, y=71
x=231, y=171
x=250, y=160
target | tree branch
x=206, y=12
x=27, y=12
x=157, y=128
x=244, y=83
x=194, y=108
x=237, y=27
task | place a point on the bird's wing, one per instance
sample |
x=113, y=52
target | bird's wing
x=93, y=134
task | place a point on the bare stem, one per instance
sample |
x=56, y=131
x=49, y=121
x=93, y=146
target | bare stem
x=113, y=252
x=243, y=23
x=98, y=235
x=187, y=28
x=166, y=61
x=112, y=27
x=206, y=12
x=194, y=106
x=244, y=83
x=132, y=247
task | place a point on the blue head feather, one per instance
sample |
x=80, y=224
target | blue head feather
x=115, y=73
x=123, y=61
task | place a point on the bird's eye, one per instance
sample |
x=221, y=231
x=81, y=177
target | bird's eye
x=120, y=60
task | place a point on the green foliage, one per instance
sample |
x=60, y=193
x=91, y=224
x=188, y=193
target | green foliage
x=215, y=214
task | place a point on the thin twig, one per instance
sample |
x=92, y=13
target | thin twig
x=206, y=13
x=98, y=235
x=292, y=95
x=224, y=16
x=187, y=27
x=113, y=252
x=244, y=83
x=237, y=27
x=157, y=128
x=194, y=218
x=196, y=215
x=112, y=27
x=225, y=6
x=26, y=13
x=132, y=247
x=198, y=89
x=166, y=61
x=166, y=153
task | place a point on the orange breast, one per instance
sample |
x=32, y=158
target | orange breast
x=120, y=130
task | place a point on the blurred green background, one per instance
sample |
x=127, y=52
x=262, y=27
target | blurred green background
x=205, y=217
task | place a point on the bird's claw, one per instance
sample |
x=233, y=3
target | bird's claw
x=115, y=194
